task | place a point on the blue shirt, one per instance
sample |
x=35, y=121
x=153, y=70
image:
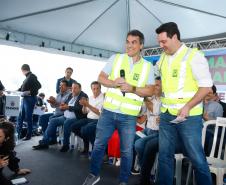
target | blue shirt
x=60, y=98
x=213, y=110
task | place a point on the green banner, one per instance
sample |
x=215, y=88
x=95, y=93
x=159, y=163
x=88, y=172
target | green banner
x=217, y=66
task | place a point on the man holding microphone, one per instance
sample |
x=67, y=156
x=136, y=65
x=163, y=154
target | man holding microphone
x=128, y=78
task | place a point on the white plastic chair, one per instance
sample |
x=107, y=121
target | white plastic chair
x=217, y=164
x=72, y=141
x=205, y=125
x=76, y=142
x=61, y=134
x=178, y=168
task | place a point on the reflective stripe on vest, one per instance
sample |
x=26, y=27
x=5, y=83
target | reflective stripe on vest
x=130, y=103
x=175, y=92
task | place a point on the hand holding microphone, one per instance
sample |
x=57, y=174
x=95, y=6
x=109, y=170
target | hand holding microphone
x=122, y=75
x=124, y=86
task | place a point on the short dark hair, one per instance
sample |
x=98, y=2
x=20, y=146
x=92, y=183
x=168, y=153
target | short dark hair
x=65, y=82
x=138, y=34
x=69, y=68
x=77, y=84
x=95, y=83
x=8, y=129
x=214, y=89
x=25, y=67
x=170, y=28
x=41, y=94
x=1, y=86
x=157, y=78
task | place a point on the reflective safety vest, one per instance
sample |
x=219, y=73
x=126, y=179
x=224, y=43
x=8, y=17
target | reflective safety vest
x=131, y=103
x=178, y=83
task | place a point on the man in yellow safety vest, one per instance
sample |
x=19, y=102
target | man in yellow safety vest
x=128, y=78
x=186, y=80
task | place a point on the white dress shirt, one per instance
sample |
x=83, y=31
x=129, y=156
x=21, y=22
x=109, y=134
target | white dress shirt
x=199, y=66
x=151, y=116
x=69, y=114
x=97, y=103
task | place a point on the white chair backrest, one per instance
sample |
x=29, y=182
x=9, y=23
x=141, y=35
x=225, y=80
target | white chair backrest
x=205, y=125
x=220, y=123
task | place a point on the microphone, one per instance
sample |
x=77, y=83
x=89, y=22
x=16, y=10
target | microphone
x=122, y=75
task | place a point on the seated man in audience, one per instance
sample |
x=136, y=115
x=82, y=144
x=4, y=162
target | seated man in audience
x=72, y=111
x=2, y=100
x=67, y=77
x=40, y=109
x=212, y=110
x=149, y=137
x=1, y=87
x=7, y=152
x=55, y=103
x=223, y=104
x=218, y=99
x=93, y=107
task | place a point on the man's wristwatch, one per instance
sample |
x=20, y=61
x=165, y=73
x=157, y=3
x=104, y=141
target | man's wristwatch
x=134, y=88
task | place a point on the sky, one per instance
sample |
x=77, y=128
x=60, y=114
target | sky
x=48, y=67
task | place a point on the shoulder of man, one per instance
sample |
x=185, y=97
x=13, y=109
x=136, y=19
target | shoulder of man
x=32, y=75
x=147, y=61
x=152, y=69
x=83, y=94
x=59, y=79
x=68, y=98
x=67, y=93
x=73, y=80
x=1, y=86
x=112, y=58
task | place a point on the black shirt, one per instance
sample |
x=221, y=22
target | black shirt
x=1, y=86
x=31, y=84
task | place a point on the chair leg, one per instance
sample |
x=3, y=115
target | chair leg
x=80, y=144
x=190, y=171
x=219, y=177
x=90, y=147
x=194, y=181
x=114, y=160
x=61, y=134
x=189, y=174
x=136, y=164
x=72, y=140
x=178, y=168
x=154, y=170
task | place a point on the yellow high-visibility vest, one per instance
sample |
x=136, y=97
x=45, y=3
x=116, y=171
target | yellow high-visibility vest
x=131, y=103
x=178, y=83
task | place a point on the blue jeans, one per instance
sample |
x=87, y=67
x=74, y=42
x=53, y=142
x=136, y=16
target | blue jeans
x=189, y=133
x=149, y=155
x=50, y=133
x=106, y=125
x=76, y=127
x=88, y=132
x=44, y=120
x=27, y=107
x=67, y=130
x=141, y=142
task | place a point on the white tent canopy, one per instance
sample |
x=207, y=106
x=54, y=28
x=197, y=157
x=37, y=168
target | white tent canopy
x=95, y=25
